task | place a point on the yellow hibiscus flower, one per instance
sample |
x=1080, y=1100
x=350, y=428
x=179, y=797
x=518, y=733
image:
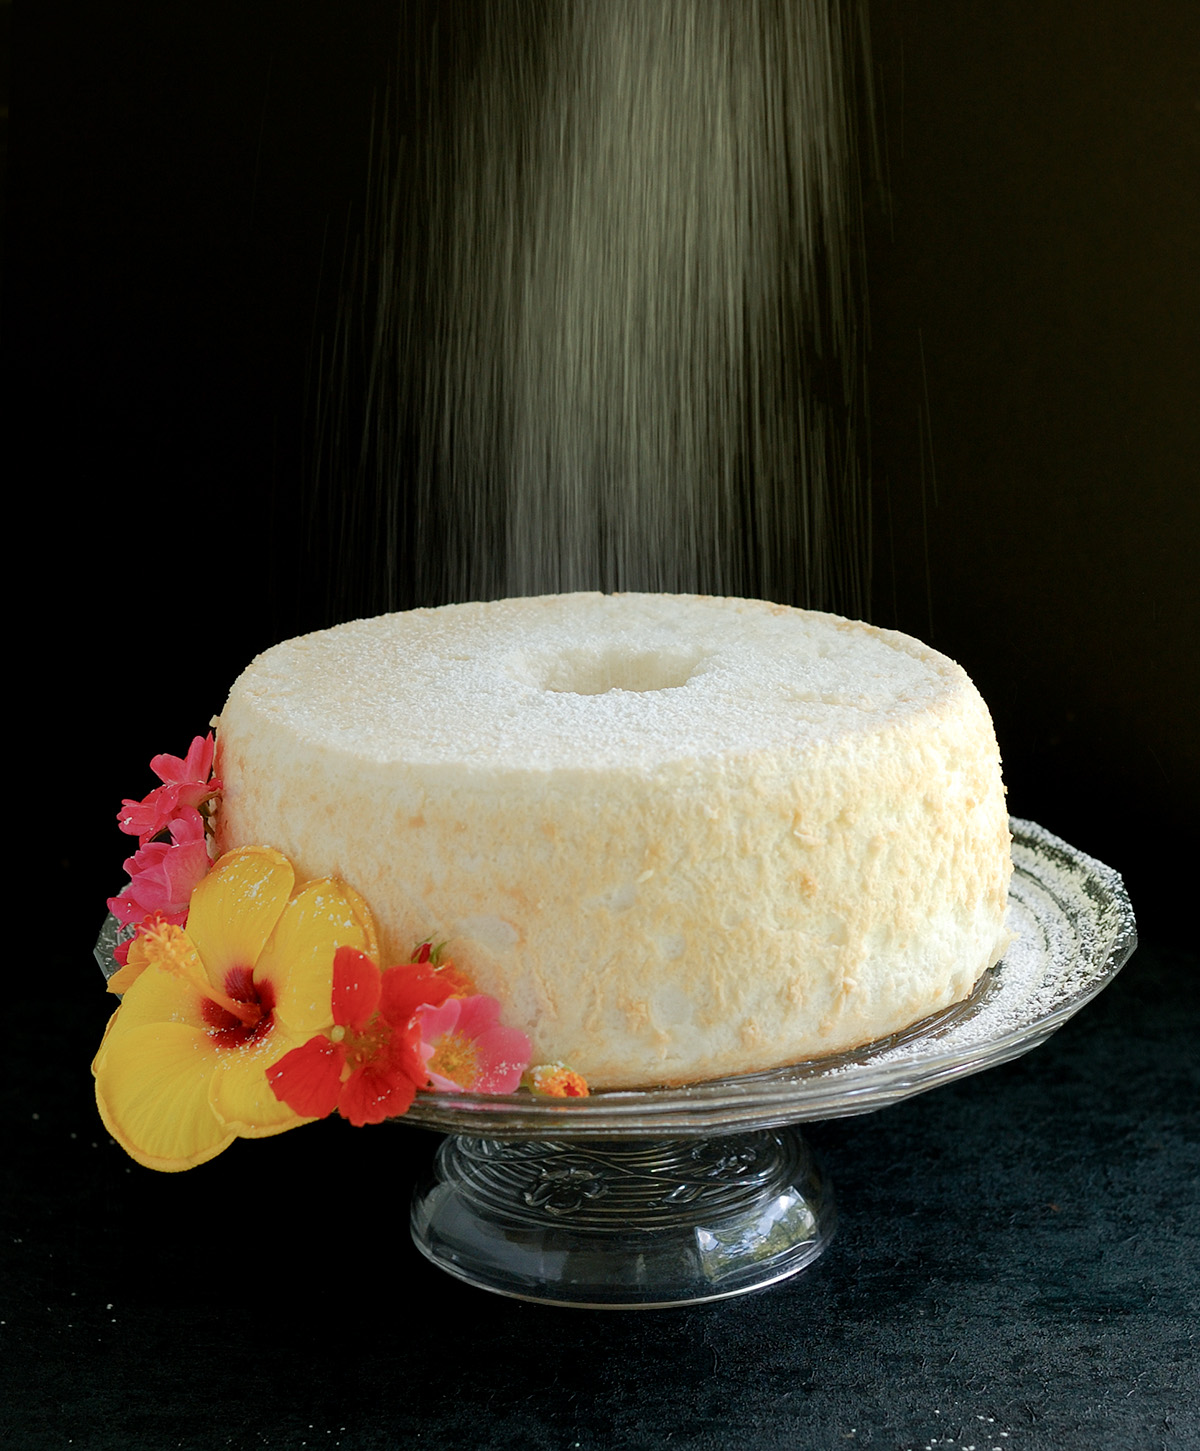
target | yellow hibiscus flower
x=182, y=1070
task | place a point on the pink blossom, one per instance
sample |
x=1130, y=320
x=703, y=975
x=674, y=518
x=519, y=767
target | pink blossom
x=185, y=785
x=467, y=1049
x=163, y=875
x=145, y=819
x=193, y=770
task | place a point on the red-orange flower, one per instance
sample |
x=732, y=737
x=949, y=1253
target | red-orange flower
x=369, y=1065
x=556, y=1080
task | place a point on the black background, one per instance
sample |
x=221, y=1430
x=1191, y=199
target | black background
x=182, y=186
x=186, y=186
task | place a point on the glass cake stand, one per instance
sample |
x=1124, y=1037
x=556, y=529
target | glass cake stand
x=672, y=1196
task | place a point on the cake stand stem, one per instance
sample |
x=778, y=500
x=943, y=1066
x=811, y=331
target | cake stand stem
x=626, y=1223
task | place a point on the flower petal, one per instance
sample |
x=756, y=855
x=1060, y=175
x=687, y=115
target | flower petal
x=163, y=875
x=239, y=1093
x=385, y=1086
x=405, y=1055
x=504, y=1057
x=152, y=1091
x=362, y=911
x=309, y=1078
x=436, y=1022
x=155, y=996
x=356, y=987
x=298, y=958
x=235, y=908
x=372, y=1093
x=407, y=988
x=195, y=767
x=148, y=817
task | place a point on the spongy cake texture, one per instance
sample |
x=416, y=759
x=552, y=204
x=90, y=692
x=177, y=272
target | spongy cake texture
x=677, y=837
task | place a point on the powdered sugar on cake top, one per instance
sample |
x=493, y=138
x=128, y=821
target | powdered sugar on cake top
x=592, y=681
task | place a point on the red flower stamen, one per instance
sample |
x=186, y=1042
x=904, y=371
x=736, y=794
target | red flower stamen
x=242, y=1012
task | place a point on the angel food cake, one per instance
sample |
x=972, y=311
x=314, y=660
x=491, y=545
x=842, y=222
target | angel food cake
x=677, y=837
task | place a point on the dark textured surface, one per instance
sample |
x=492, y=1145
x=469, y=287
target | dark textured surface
x=1022, y=1246
x=1017, y=1267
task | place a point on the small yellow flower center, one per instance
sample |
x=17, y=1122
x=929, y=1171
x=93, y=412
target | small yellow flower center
x=170, y=948
x=456, y=1058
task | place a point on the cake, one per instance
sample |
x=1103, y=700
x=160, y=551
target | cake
x=677, y=837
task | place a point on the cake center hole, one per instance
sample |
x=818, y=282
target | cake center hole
x=597, y=671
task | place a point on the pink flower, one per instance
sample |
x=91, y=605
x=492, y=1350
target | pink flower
x=163, y=875
x=147, y=818
x=186, y=785
x=467, y=1049
x=194, y=770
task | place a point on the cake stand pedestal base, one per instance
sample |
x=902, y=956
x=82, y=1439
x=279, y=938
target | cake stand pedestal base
x=624, y=1223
